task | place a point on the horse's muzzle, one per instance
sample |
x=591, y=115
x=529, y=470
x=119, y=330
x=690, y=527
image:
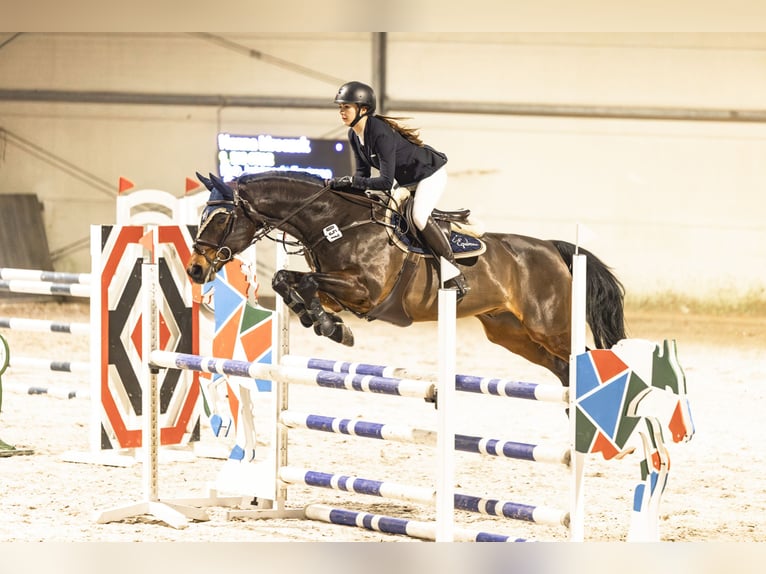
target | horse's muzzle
x=196, y=272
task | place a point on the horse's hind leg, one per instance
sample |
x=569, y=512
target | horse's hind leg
x=506, y=330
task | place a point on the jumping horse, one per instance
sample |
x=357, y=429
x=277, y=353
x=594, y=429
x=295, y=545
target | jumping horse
x=520, y=287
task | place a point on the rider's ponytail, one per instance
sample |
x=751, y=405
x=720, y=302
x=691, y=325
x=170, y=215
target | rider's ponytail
x=410, y=134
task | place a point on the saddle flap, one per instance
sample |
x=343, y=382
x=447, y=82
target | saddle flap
x=463, y=235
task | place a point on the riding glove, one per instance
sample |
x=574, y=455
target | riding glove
x=377, y=194
x=340, y=183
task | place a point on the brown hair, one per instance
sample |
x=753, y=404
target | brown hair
x=410, y=134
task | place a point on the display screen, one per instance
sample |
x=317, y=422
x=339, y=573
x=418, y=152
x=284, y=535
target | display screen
x=238, y=154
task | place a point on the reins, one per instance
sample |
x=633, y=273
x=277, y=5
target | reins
x=363, y=201
x=269, y=227
x=224, y=254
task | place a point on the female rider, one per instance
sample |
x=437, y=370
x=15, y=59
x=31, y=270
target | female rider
x=400, y=157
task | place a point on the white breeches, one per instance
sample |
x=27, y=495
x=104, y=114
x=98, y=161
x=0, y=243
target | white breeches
x=427, y=194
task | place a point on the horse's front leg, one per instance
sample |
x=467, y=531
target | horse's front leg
x=283, y=283
x=326, y=324
x=299, y=292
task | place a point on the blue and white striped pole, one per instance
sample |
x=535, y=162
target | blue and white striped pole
x=392, y=525
x=424, y=495
x=299, y=376
x=463, y=383
x=547, y=453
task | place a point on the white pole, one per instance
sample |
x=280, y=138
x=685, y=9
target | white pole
x=96, y=339
x=279, y=393
x=149, y=406
x=281, y=314
x=577, y=502
x=445, y=442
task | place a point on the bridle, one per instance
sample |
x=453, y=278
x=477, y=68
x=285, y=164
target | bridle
x=223, y=253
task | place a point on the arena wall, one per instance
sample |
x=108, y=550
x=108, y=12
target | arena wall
x=672, y=205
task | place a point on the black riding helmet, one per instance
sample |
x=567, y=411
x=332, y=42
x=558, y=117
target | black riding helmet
x=359, y=94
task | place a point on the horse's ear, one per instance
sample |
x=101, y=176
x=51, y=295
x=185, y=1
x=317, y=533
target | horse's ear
x=221, y=187
x=205, y=181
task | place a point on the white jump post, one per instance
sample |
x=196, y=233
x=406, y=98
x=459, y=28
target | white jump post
x=175, y=515
x=445, y=441
x=577, y=468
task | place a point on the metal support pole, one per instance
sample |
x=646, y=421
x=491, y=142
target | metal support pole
x=379, y=56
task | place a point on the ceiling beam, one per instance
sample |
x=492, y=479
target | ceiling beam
x=427, y=106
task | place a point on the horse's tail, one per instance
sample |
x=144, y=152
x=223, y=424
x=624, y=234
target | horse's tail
x=604, y=299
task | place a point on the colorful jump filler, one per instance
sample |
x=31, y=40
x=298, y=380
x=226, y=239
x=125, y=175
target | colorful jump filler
x=638, y=387
x=241, y=329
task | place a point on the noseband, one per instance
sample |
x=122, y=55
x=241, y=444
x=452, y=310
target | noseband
x=223, y=253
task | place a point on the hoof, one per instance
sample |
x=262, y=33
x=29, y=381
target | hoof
x=343, y=335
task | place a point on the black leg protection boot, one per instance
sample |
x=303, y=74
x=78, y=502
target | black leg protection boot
x=440, y=247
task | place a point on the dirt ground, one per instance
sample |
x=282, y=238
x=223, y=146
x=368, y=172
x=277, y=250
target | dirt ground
x=716, y=491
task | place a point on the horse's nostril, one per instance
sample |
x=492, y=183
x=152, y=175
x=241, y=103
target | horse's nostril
x=194, y=271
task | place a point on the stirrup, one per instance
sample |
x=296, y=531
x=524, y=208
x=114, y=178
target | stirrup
x=460, y=285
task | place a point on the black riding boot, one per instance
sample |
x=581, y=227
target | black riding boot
x=437, y=242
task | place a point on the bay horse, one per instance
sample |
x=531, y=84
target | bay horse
x=520, y=287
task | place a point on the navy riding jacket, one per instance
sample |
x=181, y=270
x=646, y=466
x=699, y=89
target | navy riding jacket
x=392, y=155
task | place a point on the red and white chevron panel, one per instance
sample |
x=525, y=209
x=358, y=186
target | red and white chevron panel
x=117, y=342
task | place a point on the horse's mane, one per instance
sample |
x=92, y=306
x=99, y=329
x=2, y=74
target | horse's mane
x=301, y=176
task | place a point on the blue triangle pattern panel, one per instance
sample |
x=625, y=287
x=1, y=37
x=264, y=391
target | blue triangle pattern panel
x=600, y=406
x=587, y=376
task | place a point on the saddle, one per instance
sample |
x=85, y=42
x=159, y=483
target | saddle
x=463, y=234
x=463, y=238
